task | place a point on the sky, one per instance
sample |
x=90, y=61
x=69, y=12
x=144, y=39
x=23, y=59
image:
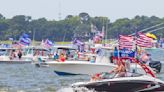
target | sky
x=113, y=9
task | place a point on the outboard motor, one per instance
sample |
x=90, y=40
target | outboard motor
x=157, y=65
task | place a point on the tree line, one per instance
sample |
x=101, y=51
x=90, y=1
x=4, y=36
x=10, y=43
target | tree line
x=74, y=26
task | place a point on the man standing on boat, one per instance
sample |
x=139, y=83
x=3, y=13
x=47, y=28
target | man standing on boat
x=19, y=54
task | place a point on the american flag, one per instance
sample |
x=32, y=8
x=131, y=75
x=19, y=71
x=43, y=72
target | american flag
x=47, y=43
x=24, y=40
x=125, y=42
x=101, y=34
x=144, y=41
x=93, y=28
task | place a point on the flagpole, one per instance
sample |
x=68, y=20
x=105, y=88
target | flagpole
x=33, y=37
x=64, y=37
x=135, y=39
x=106, y=35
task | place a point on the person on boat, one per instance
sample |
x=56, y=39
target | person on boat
x=68, y=54
x=111, y=57
x=149, y=59
x=36, y=53
x=75, y=55
x=62, y=57
x=115, y=53
x=12, y=55
x=93, y=59
x=19, y=54
x=120, y=70
x=56, y=56
x=144, y=58
x=96, y=77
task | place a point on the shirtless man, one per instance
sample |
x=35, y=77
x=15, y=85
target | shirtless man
x=120, y=71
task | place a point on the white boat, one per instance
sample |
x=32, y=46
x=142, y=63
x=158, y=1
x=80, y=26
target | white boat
x=86, y=68
x=29, y=54
x=74, y=67
x=79, y=67
x=6, y=57
x=35, y=52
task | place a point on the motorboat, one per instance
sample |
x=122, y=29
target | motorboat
x=133, y=83
x=85, y=67
x=29, y=54
x=81, y=66
x=35, y=52
x=6, y=57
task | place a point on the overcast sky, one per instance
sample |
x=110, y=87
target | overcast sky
x=113, y=9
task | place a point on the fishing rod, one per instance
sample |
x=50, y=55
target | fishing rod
x=155, y=30
x=148, y=28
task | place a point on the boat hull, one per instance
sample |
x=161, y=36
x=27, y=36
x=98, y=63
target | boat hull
x=80, y=67
x=7, y=60
x=125, y=84
x=64, y=73
x=86, y=68
x=15, y=62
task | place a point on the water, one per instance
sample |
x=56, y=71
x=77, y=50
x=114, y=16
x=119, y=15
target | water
x=156, y=54
x=28, y=78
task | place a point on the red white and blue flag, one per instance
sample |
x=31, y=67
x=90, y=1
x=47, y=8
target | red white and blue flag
x=47, y=43
x=125, y=42
x=144, y=41
x=24, y=40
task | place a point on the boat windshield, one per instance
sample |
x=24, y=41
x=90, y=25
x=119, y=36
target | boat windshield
x=105, y=75
x=2, y=52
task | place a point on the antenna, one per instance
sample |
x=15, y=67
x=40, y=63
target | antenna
x=60, y=10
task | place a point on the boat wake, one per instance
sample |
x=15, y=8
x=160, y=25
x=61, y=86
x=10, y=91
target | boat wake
x=77, y=89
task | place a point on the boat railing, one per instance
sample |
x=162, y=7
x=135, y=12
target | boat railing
x=134, y=60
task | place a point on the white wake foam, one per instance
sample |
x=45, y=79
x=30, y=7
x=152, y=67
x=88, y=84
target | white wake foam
x=77, y=89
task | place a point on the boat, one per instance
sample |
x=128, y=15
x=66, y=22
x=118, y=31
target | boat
x=132, y=82
x=135, y=83
x=35, y=52
x=5, y=56
x=85, y=67
x=29, y=54
x=79, y=67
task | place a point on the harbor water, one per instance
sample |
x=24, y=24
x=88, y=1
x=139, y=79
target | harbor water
x=29, y=78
